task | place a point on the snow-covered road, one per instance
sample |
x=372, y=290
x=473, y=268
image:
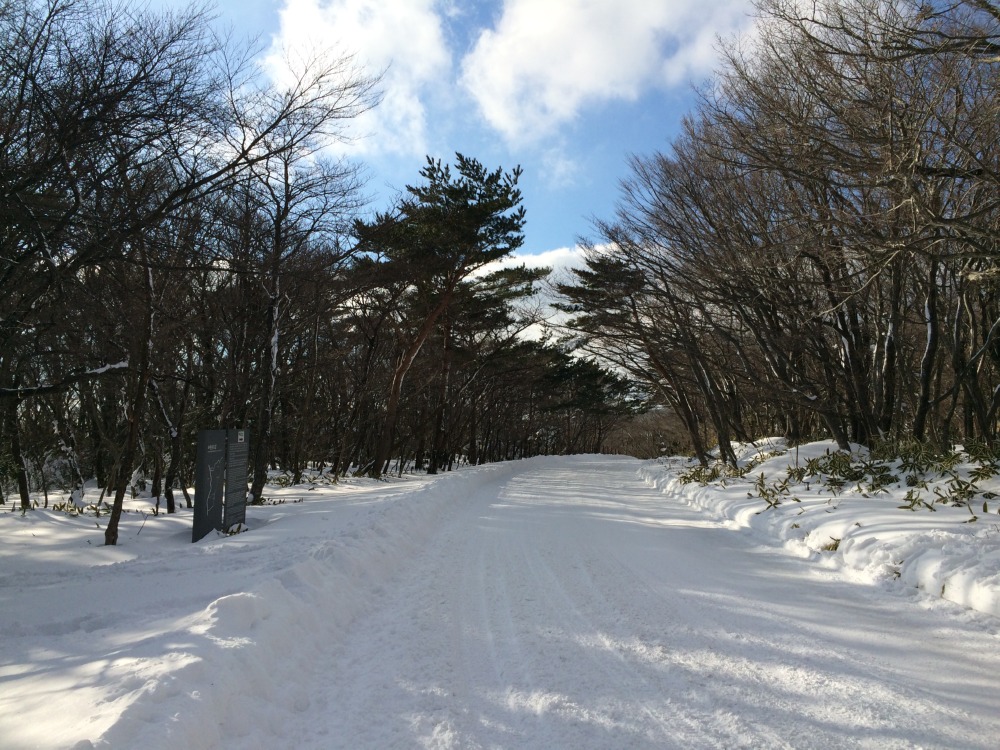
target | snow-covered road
x=549, y=603
x=569, y=606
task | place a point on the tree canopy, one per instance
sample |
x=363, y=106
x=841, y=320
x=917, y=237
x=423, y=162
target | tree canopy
x=177, y=253
x=816, y=253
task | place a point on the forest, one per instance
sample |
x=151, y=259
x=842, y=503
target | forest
x=815, y=255
x=178, y=252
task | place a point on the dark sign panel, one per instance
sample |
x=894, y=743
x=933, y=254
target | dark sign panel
x=237, y=458
x=209, y=480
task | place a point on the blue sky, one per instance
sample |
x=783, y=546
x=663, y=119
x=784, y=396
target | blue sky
x=568, y=89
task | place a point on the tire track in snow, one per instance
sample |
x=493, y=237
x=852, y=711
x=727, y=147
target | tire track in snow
x=579, y=609
x=616, y=615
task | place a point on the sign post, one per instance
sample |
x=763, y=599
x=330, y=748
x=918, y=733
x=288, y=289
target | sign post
x=220, y=481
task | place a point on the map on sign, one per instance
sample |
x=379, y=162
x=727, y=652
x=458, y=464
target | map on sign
x=209, y=482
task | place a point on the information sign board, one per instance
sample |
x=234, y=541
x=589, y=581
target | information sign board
x=237, y=458
x=209, y=482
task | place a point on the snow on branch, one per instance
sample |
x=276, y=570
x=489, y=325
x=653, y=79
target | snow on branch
x=36, y=390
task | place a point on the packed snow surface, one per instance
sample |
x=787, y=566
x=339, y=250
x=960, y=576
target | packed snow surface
x=566, y=602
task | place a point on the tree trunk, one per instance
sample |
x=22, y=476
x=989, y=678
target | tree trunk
x=174, y=463
x=930, y=350
x=156, y=491
x=265, y=414
x=889, y=374
x=134, y=411
x=438, y=434
x=473, y=430
x=14, y=428
x=384, y=447
x=300, y=457
x=836, y=428
x=130, y=449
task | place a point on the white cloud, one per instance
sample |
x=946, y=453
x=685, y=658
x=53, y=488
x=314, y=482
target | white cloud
x=561, y=261
x=535, y=66
x=403, y=37
x=558, y=169
x=547, y=59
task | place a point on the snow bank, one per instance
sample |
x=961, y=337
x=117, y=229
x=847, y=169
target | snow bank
x=946, y=552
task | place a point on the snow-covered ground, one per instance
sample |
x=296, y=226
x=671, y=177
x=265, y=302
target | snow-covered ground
x=950, y=550
x=584, y=602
